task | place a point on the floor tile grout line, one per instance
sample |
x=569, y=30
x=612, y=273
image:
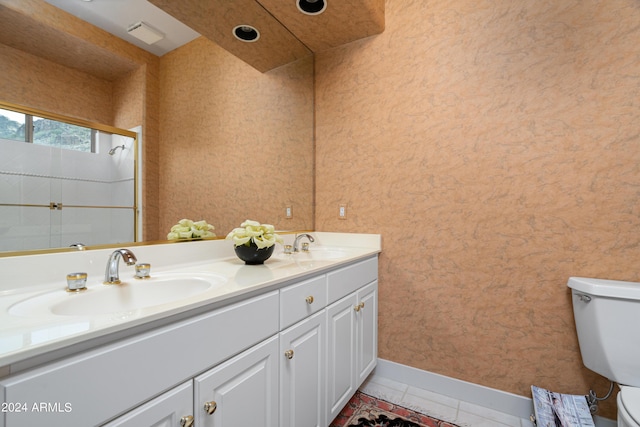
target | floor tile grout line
x=406, y=396
x=457, y=417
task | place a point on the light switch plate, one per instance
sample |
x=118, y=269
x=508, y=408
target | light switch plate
x=342, y=212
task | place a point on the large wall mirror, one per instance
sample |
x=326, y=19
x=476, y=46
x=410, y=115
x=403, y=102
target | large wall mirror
x=218, y=140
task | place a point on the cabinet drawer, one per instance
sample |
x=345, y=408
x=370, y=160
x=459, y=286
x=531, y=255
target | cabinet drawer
x=107, y=381
x=346, y=280
x=301, y=300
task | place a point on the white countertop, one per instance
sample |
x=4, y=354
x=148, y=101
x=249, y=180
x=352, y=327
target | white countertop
x=26, y=337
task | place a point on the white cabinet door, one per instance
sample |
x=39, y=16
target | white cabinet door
x=171, y=409
x=242, y=391
x=302, y=370
x=341, y=354
x=367, y=351
x=352, y=345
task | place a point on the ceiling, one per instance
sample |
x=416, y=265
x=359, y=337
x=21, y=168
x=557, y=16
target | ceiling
x=115, y=16
x=286, y=34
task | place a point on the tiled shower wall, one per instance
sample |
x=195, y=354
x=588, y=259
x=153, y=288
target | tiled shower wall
x=495, y=147
x=96, y=191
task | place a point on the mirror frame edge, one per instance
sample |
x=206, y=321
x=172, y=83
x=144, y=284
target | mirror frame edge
x=117, y=245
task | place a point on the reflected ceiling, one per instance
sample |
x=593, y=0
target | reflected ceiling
x=115, y=16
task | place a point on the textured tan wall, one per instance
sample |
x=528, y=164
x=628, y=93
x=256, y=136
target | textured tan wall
x=38, y=83
x=494, y=145
x=151, y=153
x=128, y=99
x=235, y=143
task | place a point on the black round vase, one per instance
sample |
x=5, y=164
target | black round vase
x=251, y=255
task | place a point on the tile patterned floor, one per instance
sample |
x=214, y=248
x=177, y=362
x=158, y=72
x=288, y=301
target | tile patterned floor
x=442, y=407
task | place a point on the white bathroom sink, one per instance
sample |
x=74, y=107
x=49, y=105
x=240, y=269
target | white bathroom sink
x=317, y=256
x=318, y=253
x=322, y=253
x=129, y=296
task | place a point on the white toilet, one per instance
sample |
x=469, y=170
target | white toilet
x=607, y=314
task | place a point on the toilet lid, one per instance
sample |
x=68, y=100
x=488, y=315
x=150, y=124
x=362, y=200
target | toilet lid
x=630, y=397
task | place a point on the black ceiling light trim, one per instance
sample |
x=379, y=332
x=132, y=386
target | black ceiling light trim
x=311, y=7
x=246, y=33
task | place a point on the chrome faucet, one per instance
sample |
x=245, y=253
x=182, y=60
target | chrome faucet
x=111, y=276
x=297, y=241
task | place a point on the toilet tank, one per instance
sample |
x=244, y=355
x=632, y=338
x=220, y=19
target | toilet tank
x=607, y=315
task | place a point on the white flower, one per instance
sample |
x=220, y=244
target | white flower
x=187, y=229
x=263, y=235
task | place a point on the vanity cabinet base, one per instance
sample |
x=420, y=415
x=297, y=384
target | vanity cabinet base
x=290, y=357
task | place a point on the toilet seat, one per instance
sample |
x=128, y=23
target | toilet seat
x=629, y=405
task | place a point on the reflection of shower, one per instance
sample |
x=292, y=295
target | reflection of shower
x=114, y=149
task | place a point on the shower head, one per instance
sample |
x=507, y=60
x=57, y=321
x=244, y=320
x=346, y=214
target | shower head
x=114, y=149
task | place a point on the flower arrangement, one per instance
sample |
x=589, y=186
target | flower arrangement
x=262, y=235
x=186, y=229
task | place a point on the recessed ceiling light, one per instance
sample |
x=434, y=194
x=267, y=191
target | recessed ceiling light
x=312, y=7
x=246, y=33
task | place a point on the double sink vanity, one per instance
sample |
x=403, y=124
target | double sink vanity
x=204, y=341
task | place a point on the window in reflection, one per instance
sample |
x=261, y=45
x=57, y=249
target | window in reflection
x=63, y=135
x=22, y=127
x=13, y=125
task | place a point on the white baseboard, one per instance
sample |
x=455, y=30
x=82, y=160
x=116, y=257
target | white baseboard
x=502, y=401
